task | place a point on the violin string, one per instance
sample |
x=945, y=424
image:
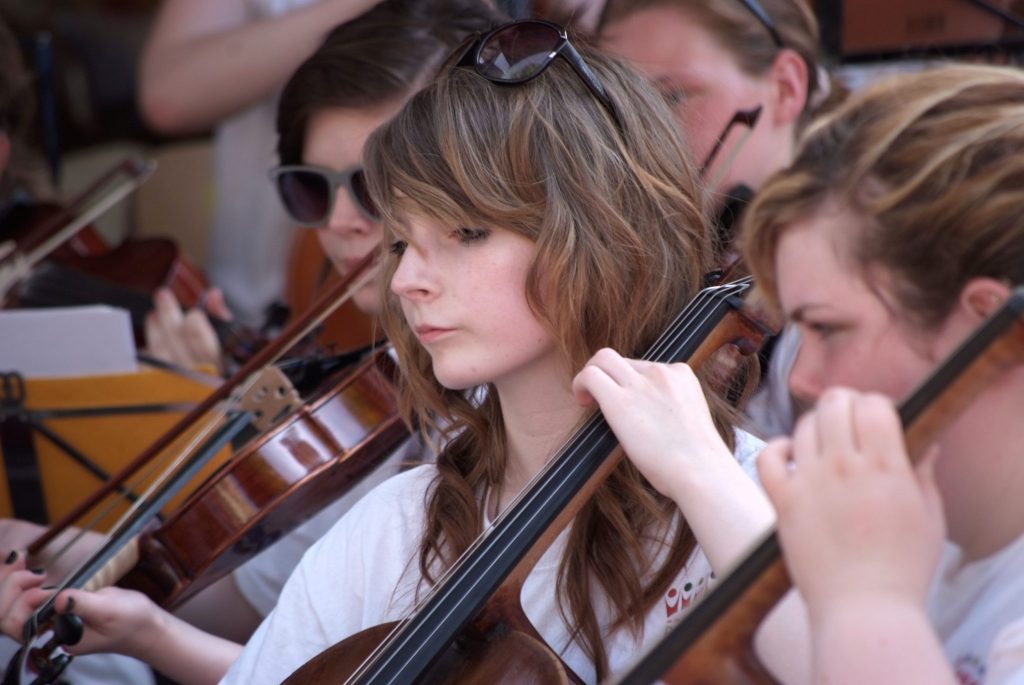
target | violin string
x=589, y=427
x=364, y=279
x=659, y=350
x=126, y=518
x=680, y=331
x=101, y=513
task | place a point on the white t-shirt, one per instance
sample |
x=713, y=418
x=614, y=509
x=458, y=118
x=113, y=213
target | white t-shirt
x=251, y=234
x=971, y=604
x=364, y=572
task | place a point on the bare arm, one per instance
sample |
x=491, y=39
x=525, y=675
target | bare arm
x=204, y=60
x=127, y=622
x=221, y=609
x=661, y=417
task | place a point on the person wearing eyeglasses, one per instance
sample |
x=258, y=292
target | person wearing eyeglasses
x=539, y=209
x=714, y=60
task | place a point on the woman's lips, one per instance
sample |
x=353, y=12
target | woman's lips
x=428, y=334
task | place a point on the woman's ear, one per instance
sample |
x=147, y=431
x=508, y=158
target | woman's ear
x=982, y=296
x=789, y=75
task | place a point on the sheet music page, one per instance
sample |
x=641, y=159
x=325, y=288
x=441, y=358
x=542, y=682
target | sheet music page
x=60, y=342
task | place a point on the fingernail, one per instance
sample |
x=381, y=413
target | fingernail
x=38, y=571
x=11, y=558
x=69, y=607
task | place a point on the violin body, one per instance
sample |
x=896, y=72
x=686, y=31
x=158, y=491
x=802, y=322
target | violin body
x=126, y=276
x=88, y=270
x=309, y=273
x=277, y=481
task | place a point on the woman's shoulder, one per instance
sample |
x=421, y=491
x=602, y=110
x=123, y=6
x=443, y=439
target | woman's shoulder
x=381, y=531
x=402, y=496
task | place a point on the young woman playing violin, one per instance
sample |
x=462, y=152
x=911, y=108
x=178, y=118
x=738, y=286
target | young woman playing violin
x=356, y=80
x=711, y=59
x=524, y=224
x=530, y=226
x=895, y=233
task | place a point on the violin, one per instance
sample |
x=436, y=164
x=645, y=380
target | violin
x=714, y=642
x=58, y=259
x=471, y=628
x=278, y=480
x=310, y=457
x=33, y=233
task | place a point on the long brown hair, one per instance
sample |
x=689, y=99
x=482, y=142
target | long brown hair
x=934, y=164
x=736, y=29
x=620, y=247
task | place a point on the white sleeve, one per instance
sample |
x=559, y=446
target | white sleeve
x=345, y=582
x=746, y=451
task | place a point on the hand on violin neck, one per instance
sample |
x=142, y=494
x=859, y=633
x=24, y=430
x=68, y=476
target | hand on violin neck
x=661, y=417
x=659, y=414
x=186, y=338
x=857, y=522
x=114, y=620
x=127, y=622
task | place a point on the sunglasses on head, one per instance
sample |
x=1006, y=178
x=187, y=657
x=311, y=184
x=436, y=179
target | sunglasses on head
x=308, y=192
x=520, y=51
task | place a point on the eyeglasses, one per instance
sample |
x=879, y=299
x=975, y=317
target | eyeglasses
x=520, y=51
x=755, y=8
x=308, y=192
x=742, y=117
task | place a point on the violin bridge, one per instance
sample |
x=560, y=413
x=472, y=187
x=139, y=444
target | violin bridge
x=268, y=396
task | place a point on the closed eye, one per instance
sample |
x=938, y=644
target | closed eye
x=466, y=234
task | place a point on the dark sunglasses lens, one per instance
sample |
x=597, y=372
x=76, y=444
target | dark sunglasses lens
x=518, y=52
x=306, y=195
x=362, y=195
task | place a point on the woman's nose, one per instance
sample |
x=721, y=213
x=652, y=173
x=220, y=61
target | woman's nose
x=413, y=279
x=805, y=378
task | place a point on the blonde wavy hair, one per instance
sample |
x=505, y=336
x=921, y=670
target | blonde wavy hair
x=934, y=164
x=621, y=245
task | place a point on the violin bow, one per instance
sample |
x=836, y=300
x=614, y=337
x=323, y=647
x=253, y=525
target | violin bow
x=15, y=265
x=714, y=642
x=325, y=305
